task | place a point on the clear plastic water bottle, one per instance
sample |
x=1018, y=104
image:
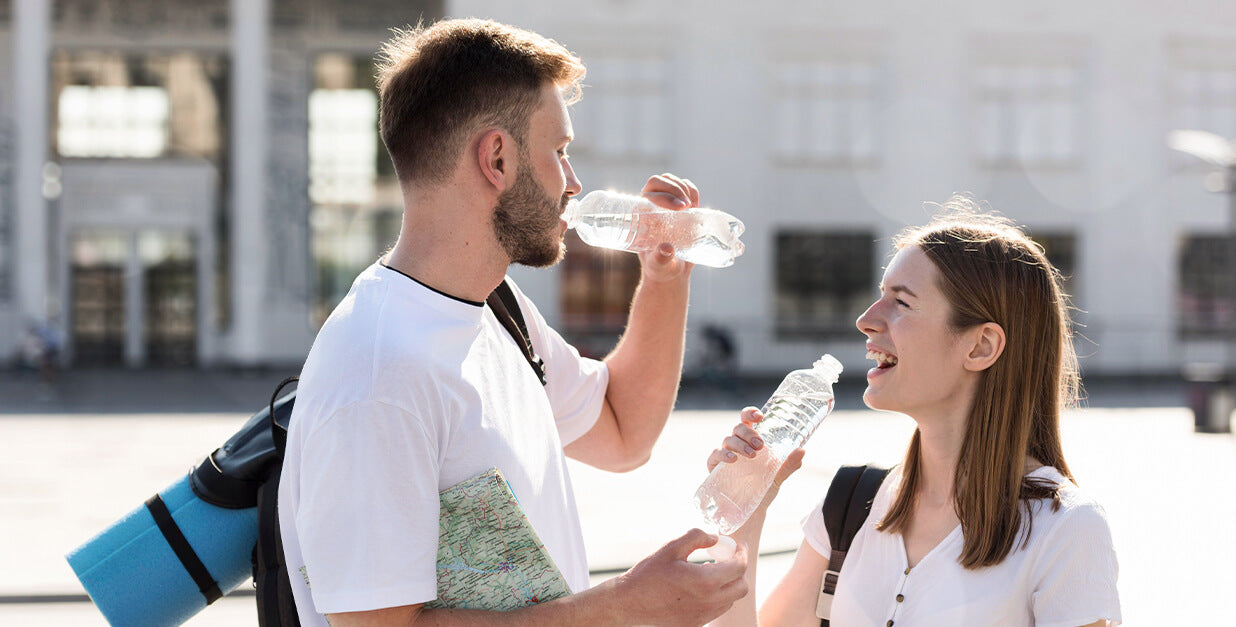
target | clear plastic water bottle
x=625, y=222
x=733, y=490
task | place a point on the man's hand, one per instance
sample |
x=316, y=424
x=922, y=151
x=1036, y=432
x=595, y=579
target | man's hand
x=665, y=589
x=668, y=192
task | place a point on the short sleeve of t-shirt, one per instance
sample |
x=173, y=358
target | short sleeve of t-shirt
x=1075, y=575
x=814, y=531
x=368, y=537
x=575, y=384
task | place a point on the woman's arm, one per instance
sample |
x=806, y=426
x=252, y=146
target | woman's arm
x=744, y=439
x=793, y=601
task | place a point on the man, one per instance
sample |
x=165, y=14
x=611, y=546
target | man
x=413, y=385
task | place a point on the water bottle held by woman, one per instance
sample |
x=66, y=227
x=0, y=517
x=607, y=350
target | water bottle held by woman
x=732, y=491
x=625, y=222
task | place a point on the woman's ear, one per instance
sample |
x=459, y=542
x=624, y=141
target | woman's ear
x=987, y=348
x=493, y=156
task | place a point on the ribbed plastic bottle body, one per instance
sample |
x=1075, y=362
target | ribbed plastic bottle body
x=624, y=222
x=732, y=491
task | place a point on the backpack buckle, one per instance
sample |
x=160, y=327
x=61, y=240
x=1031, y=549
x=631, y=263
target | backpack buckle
x=828, y=586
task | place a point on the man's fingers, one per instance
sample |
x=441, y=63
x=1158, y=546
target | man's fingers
x=667, y=190
x=693, y=191
x=679, y=548
x=727, y=570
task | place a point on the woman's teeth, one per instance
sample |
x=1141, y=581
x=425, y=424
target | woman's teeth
x=883, y=360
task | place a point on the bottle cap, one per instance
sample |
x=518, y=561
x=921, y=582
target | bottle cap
x=724, y=548
x=829, y=366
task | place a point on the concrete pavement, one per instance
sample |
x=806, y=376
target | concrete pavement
x=67, y=474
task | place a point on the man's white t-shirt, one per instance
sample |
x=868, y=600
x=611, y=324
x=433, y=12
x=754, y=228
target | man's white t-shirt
x=1064, y=577
x=406, y=392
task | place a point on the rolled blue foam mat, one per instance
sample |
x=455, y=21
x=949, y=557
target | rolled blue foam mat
x=134, y=577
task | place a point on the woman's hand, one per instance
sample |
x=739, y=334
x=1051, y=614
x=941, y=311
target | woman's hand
x=744, y=441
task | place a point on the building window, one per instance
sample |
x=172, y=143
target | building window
x=595, y=296
x=343, y=144
x=625, y=112
x=147, y=105
x=823, y=282
x=1204, y=99
x=112, y=121
x=1206, y=300
x=1061, y=251
x=356, y=201
x=1028, y=115
x=825, y=112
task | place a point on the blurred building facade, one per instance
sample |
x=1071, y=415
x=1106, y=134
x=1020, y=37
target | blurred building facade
x=196, y=183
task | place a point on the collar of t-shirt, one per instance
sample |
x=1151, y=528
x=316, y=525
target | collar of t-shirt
x=429, y=287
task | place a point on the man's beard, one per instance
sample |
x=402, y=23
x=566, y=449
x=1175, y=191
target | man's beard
x=525, y=223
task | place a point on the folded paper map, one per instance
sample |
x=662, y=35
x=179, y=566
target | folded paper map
x=489, y=557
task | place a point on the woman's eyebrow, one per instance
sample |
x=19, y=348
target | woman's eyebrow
x=902, y=288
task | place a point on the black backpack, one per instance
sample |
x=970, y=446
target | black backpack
x=245, y=472
x=846, y=507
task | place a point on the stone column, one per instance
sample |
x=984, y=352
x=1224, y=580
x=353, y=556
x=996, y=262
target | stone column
x=248, y=236
x=31, y=42
x=289, y=260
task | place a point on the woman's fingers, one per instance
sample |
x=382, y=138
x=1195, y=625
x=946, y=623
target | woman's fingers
x=791, y=465
x=719, y=456
x=750, y=415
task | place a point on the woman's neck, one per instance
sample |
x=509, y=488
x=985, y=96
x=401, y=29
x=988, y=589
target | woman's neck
x=939, y=448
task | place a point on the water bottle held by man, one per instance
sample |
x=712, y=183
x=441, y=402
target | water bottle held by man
x=732, y=491
x=625, y=222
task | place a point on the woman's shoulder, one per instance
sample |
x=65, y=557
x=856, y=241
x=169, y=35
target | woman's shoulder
x=1077, y=510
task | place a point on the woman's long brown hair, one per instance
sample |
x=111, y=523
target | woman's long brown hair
x=991, y=272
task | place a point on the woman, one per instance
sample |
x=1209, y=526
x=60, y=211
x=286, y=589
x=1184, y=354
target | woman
x=982, y=523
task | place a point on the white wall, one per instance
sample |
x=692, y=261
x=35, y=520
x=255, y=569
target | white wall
x=1127, y=199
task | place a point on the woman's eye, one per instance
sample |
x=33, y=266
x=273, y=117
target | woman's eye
x=902, y=303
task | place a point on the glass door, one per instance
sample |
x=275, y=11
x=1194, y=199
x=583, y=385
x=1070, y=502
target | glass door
x=169, y=279
x=97, y=292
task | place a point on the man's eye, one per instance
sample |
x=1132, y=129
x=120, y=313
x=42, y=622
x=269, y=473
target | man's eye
x=902, y=303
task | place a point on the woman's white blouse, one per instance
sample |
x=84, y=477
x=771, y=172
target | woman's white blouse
x=1064, y=577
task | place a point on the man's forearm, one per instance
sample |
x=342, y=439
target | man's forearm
x=596, y=607
x=646, y=365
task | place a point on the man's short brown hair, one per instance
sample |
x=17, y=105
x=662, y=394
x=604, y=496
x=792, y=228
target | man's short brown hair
x=440, y=84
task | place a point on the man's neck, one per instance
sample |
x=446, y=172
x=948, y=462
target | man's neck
x=448, y=244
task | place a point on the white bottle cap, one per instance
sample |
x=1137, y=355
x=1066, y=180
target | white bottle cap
x=829, y=366
x=724, y=548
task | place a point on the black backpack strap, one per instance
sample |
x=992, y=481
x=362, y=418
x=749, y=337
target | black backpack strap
x=846, y=507
x=505, y=306
x=275, y=602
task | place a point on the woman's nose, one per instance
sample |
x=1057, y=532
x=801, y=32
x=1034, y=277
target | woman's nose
x=869, y=320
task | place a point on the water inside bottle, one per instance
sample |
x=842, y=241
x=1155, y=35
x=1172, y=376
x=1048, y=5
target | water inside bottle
x=789, y=419
x=610, y=230
x=732, y=491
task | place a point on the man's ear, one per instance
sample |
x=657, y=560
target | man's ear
x=988, y=344
x=494, y=154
